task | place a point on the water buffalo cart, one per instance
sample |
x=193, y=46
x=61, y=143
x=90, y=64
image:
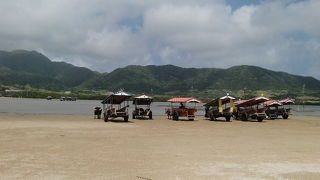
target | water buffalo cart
x=251, y=109
x=220, y=107
x=285, y=109
x=272, y=109
x=116, y=105
x=182, y=107
x=142, y=107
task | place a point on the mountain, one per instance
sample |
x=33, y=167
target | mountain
x=22, y=67
x=32, y=68
x=168, y=78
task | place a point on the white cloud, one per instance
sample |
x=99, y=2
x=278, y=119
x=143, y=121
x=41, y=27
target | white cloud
x=216, y=36
x=104, y=34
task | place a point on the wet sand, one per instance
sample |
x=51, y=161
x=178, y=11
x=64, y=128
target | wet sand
x=79, y=147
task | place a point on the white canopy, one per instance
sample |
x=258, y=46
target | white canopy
x=193, y=101
x=227, y=97
x=261, y=98
x=143, y=97
x=142, y=100
x=121, y=93
x=116, y=98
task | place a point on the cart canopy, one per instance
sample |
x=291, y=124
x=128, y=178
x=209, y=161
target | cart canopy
x=252, y=101
x=240, y=101
x=287, y=101
x=272, y=103
x=224, y=100
x=116, y=98
x=142, y=100
x=184, y=100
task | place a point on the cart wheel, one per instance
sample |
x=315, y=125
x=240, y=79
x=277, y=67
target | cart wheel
x=228, y=118
x=150, y=115
x=126, y=118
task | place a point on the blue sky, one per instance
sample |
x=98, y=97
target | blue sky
x=103, y=35
x=235, y=4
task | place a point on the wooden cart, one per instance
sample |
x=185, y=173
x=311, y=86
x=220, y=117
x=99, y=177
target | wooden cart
x=116, y=105
x=220, y=107
x=273, y=109
x=186, y=109
x=251, y=109
x=142, y=108
x=285, y=109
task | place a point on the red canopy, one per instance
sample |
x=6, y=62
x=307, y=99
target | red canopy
x=183, y=100
x=240, y=101
x=287, y=101
x=252, y=101
x=272, y=103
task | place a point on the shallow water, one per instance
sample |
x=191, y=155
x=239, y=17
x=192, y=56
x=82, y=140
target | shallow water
x=85, y=107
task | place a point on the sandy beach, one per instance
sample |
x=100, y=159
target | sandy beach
x=80, y=147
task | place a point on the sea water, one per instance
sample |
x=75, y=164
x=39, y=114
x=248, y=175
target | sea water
x=86, y=107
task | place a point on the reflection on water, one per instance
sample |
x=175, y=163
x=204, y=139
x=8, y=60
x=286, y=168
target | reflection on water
x=85, y=107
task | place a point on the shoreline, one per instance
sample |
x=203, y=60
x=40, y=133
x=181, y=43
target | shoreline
x=199, y=117
x=85, y=107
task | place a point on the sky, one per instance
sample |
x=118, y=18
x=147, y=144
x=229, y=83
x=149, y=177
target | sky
x=281, y=35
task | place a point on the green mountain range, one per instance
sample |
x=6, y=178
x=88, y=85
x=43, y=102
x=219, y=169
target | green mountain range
x=34, y=69
x=168, y=78
x=22, y=67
